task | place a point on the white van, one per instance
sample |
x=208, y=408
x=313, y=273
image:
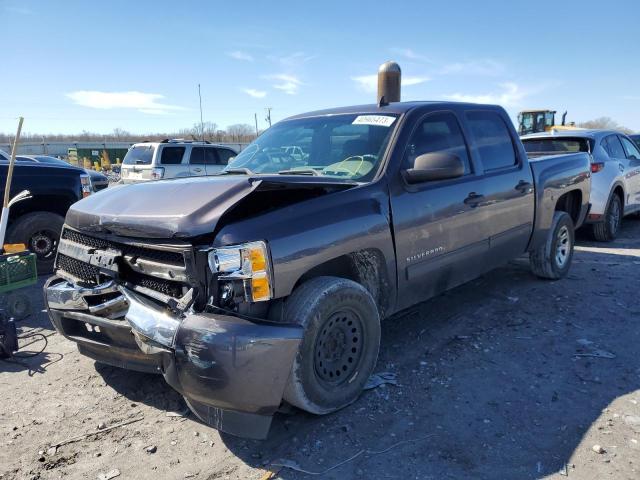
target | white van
x=173, y=158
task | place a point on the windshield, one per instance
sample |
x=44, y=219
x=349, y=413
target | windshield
x=139, y=155
x=340, y=146
x=568, y=145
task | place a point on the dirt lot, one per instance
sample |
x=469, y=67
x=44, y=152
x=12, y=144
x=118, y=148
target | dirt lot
x=505, y=377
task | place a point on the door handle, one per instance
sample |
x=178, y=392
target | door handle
x=197, y=170
x=524, y=187
x=473, y=199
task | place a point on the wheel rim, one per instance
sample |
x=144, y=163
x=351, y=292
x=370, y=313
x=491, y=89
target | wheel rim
x=43, y=244
x=563, y=246
x=614, y=216
x=338, y=348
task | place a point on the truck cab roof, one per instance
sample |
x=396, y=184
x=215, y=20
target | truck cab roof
x=395, y=108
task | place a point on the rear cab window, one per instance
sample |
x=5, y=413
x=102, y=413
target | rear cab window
x=139, y=155
x=557, y=145
x=492, y=139
x=172, y=155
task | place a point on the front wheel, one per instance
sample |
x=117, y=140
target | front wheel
x=553, y=259
x=340, y=345
x=40, y=232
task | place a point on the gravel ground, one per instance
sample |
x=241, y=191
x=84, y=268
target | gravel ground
x=505, y=377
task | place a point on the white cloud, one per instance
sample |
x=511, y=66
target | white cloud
x=240, y=55
x=289, y=84
x=486, y=67
x=291, y=61
x=252, y=92
x=511, y=95
x=140, y=101
x=408, y=54
x=369, y=83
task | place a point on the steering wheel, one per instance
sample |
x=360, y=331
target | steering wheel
x=344, y=171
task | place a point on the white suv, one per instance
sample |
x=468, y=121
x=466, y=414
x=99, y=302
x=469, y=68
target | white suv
x=173, y=158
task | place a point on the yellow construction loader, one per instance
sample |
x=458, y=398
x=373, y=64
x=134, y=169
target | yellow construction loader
x=537, y=121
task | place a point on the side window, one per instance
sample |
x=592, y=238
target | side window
x=439, y=132
x=172, y=155
x=203, y=156
x=615, y=147
x=224, y=155
x=492, y=139
x=197, y=156
x=630, y=149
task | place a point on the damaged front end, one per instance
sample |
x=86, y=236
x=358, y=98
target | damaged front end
x=141, y=305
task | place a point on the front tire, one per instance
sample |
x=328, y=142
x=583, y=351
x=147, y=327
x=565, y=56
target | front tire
x=607, y=230
x=552, y=260
x=40, y=232
x=340, y=346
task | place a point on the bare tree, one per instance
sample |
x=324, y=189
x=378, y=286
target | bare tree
x=240, y=132
x=606, y=123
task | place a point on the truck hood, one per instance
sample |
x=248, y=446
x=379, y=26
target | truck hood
x=180, y=208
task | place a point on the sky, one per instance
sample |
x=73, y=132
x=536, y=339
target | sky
x=69, y=66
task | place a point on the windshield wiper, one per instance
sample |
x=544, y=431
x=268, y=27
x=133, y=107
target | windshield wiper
x=236, y=171
x=300, y=171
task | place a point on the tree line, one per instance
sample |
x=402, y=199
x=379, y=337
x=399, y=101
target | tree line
x=209, y=131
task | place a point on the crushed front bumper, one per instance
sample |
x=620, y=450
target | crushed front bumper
x=232, y=372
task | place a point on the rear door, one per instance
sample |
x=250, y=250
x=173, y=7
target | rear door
x=633, y=156
x=198, y=161
x=439, y=226
x=171, y=161
x=224, y=157
x=508, y=189
x=212, y=160
x=616, y=152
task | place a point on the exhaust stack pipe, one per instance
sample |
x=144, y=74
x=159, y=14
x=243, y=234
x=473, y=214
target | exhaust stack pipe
x=389, y=75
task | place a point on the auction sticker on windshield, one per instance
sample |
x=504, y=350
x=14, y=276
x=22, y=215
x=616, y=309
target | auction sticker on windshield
x=379, y=120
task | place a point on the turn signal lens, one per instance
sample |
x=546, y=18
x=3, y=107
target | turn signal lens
x=596, y=167
x=255, y=256
x=260, y=288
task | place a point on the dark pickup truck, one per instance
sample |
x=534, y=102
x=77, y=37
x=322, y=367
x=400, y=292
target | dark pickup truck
x=37, y=221
x=267, y=284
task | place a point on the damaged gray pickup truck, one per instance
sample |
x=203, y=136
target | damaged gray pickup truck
x=267, y=283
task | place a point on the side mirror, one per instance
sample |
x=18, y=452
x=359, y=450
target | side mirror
x=435, y=166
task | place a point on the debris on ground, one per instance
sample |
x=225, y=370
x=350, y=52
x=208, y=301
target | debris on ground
x=598, y=449
x=381, y=378
x=109, y=475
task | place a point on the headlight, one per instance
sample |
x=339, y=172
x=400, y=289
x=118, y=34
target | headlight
x=249, y=263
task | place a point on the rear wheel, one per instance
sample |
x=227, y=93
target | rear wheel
x=340, y=345
x=607, y=230
x=553, y=259
x=40, y=232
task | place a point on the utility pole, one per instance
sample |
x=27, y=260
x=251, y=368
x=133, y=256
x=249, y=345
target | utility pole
x=268, y=117
x=201, y=122
x=255, y=115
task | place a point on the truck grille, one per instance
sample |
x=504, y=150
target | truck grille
x=91, y=275
x=81, y=270
x=174, y=258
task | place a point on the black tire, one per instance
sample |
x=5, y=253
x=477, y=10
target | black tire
x=552, y=260
x=40, y=232
x=18, y=306
x=340, y=346
x=607, y=230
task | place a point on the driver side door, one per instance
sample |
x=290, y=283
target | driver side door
x=440, y=230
